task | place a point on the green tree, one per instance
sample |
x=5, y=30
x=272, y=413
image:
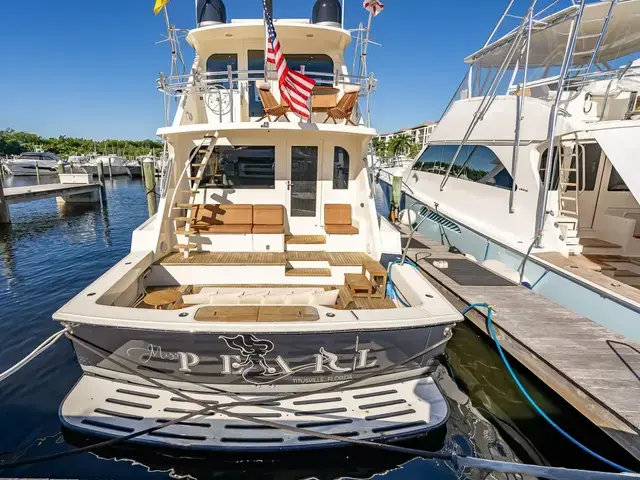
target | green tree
x=400, y=145
x=414, y=150
x=380, y=147
x=14, y=143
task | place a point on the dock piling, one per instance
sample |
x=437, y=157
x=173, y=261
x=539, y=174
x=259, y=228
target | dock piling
x=60, y=167
x=110, y=172
x=150, y=185
x=5, y=217
x=37, y=172
x=103, y=190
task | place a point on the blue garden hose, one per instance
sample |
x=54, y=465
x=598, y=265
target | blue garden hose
x=528, y=397
x=392, y=291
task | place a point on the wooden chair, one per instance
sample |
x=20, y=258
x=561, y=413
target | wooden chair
x=270, y=104
x=345, y=107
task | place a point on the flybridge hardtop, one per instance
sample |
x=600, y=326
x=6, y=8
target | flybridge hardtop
x=266, y=265
x=548, y=32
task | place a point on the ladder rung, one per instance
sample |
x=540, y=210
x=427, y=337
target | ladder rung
x=182, y=219
x=563, y=184
x=190, y=233
x=182, y=206
x=193, y=192
x=573, y=199
x=193, y=179
x=190, y=246
x=197, y=164
x=569, y=169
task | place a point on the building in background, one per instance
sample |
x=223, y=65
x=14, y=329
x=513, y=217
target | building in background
x=419, y=134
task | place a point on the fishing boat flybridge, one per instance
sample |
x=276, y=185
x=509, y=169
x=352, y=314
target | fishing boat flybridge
x=567, y=83
x=253, y=312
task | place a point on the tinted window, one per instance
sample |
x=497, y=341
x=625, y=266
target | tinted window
x=482, y=166
x=474, y=162
x=616, y=183
x=542, y=169
x=340, y=169
x=240, y=167
x=218, y=64
x=312, y=64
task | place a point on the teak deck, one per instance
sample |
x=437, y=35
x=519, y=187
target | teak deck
x=335, y=259
x=591, y=367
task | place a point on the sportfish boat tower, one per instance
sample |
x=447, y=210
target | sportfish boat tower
x=265, y=306
x=563, y=86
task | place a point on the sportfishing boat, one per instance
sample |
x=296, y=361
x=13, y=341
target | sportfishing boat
x=561, y=86
x=31, y=164
x=265, y=306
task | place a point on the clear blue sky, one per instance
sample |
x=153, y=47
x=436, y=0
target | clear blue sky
x=87, y=68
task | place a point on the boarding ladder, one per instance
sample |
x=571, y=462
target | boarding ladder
x=574, y=69
x=195, y=181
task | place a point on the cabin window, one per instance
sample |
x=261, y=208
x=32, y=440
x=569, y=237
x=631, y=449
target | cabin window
x=239, y=167
x=340, y=169
x=616, y=183
x=313, y=65
x=218, y=64
x=481, y=165
x=475, y=163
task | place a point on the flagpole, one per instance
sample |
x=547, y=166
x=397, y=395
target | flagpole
x=365, y=47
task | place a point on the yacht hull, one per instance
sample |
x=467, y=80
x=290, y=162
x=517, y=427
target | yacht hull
x=116, y=170
x=142, y=378
x=285, y=361
x=29, y=170
x=559, y=286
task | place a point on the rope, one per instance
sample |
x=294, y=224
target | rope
x=528, y=397
x=37, y=351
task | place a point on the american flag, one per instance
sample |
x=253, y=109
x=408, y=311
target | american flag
x=373, y=6
x=295, y=88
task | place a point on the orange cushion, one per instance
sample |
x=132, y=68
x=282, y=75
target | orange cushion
x=341, y=229
x=232, y=229
x=337, y=214
x=233, y=215
x=268, y=215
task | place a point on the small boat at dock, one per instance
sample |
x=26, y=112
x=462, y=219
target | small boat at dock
x=31, y=164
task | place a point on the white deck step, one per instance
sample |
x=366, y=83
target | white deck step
x=107, y=407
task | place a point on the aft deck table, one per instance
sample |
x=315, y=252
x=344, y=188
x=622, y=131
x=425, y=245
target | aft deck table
x=594, y=369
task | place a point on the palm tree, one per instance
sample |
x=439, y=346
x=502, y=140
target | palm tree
x=400, y=145
x=380, y=147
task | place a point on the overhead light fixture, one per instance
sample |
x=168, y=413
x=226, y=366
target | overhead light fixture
x=228, y=35
x=310, y=35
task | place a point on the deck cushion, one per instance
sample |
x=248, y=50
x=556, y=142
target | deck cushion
x=268, y=215
x=341, y=230
x=233, y=215
x=268, y=229
x=237, y=229
x=337, y=214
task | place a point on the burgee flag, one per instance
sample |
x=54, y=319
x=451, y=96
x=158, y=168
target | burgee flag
x=160, y=4
x=373, y=6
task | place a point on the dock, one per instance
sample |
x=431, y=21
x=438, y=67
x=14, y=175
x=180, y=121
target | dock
x=594, y=369
x=74, y=188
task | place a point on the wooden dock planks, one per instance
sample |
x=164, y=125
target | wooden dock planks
x=594, y=369
x=38, y=192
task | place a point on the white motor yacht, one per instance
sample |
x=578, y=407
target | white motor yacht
x=111, y=165
x=31, y=164
x=264, y=307
x=565, y=82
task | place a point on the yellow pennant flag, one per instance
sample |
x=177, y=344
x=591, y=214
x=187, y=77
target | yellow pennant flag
x=160, y=4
